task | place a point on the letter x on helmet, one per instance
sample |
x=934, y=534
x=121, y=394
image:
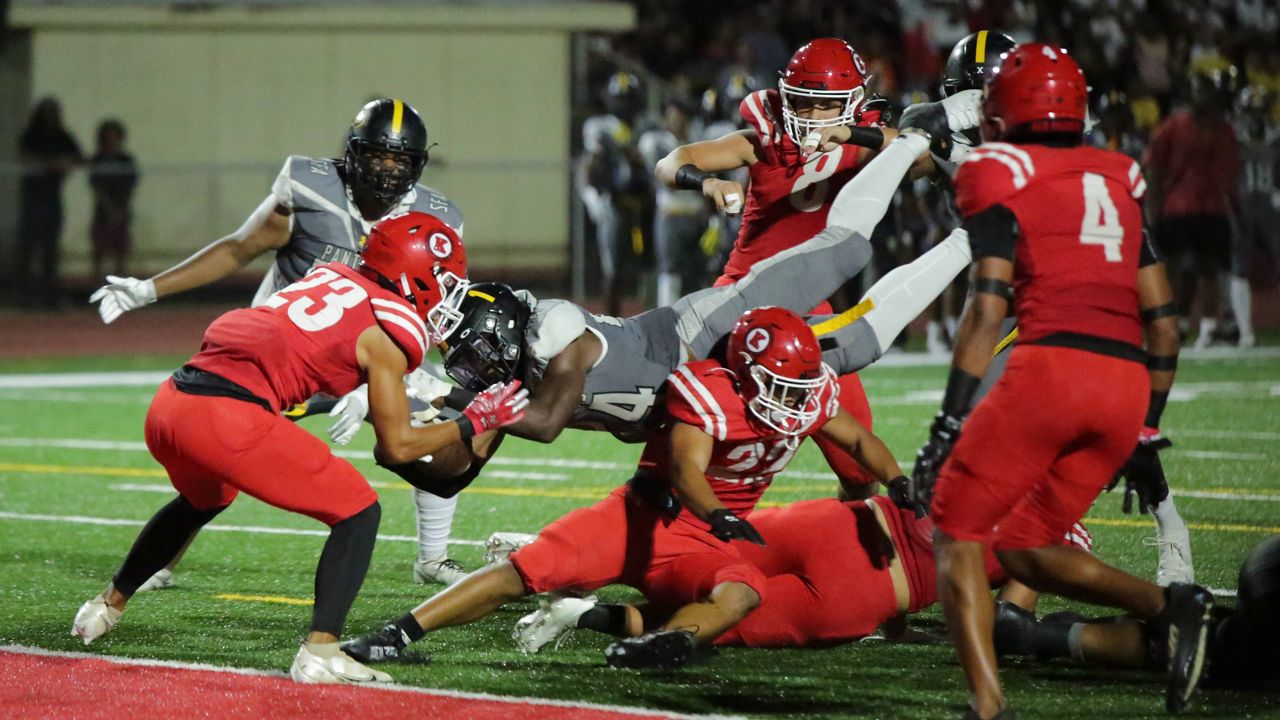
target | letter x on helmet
x=488, y=344
x=1037, y=90
x=779, y=369
x=386, y=129
x=824, y=69
x=418, y=257
x=973, y=59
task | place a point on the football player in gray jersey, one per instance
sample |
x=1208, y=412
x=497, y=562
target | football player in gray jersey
x=597, y=372
x=320, y=210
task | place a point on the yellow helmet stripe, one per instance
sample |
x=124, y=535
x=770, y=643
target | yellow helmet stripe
x=477, y=293
x=980, y=54
x=397, y=114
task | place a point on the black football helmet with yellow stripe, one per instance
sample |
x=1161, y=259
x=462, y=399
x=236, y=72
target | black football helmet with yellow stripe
x=385, y=129
x=972, y=59
x=488, y=344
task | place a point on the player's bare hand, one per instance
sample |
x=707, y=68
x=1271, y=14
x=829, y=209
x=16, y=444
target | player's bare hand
x=727, y=195
x=498, y=406
x=825, y=139
x=726, y=526
x=122, y=294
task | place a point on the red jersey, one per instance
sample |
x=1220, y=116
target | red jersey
x=1078, y=234
x=788, y=198
x=1197, y=165
x=302, y=340
x=747, y=454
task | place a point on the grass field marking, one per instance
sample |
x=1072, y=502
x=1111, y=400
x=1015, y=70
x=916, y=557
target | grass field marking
x=437, y=692
x=1218, y=455
x=1216, y=527
x=88, y=520
x=277, y=599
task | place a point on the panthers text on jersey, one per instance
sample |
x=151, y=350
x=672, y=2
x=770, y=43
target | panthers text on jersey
x=325, y=225
x=302, y=340
x=788, y=198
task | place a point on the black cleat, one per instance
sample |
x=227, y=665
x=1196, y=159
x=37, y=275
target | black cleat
x=662, y=650
x=1014, y=630
x=1005, y=714
x=1188, y=611
x=384, y=644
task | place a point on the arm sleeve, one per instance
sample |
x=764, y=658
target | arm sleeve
x=992, y=232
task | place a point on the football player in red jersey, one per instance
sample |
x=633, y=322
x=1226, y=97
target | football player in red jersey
x=216, y=425
x=675, y=531
x=1059, y=227
x=804, y=141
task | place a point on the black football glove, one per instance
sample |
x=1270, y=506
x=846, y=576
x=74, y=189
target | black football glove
x=903, y=493
x=1143, y=474
x=727, y=526
x=942, y=437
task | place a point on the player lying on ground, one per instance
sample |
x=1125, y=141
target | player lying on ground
x=835, y=571
x=1061, y=225
x=676, y=530
x=217, y=429
x=602, y=373
x=1244, y=642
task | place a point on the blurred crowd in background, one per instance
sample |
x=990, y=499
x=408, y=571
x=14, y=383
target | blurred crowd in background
x=679, y=78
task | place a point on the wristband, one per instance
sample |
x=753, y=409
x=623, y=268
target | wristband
x=867, y=137
x=1155, y=408
x=689, y=177
x=961, y=387
x=1162, y=363
x=1150, y=315
x=993, y=286
x=466, y=429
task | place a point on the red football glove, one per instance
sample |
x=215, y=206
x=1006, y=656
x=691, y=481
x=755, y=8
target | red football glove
x=497, y=407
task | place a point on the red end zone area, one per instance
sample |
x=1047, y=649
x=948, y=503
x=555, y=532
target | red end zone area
x=43, y=684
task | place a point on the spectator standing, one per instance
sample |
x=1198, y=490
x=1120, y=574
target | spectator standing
x=113, y=175
x=49, y=153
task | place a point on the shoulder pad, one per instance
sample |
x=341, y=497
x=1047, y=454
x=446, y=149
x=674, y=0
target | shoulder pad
x=553, y=325
x=1137, y=184
x=990, y=174
x=434, y=202
x=694, y=397
x=318, y=175
x=761, y=111
x=399, y=320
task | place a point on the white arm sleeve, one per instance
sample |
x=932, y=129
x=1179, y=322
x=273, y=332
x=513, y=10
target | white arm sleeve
x=904, y=292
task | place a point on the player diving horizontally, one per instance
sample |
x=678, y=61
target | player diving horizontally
x=675, y=530
x=1060, y=225
x=321, y=210
x=217, y=428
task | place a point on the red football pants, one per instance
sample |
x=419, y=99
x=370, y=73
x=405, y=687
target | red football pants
x=214, y=447
x=1039, y=448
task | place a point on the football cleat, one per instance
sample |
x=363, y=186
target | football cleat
x=341, y=669
x=500, y=545
x=1188, y=612
x=441, y=570
x=1175, y=558
x=95, y=619
x=1014, y=630
x=662, y=650
x=161, y=580
x=555, y=618
x=383, y=644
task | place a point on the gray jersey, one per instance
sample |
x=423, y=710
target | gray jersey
x=325, y=225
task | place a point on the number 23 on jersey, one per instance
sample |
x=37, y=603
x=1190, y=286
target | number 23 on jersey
x=315, y=315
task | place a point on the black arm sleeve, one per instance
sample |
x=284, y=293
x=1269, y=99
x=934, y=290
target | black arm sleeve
x=993, y=233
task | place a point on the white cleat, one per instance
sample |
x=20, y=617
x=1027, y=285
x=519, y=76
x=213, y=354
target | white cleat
x=1175, y=558
x=341, y=669
x=95, y=619
x=554, y=619
x=440, y=570
x=1247, y=341
x=500, y=545
x=161, y=580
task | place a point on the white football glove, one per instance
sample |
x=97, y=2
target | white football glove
x=349, y=413
x=122, y=294
x=964, y=110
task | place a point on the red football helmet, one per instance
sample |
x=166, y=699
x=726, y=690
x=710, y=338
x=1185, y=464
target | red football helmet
x=1037, y=89
x=420, y=258
x=824, y=69
x=779, y=369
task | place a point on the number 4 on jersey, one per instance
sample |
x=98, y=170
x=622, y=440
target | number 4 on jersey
x=1101, y=224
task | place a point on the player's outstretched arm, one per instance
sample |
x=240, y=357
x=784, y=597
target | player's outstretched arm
x=552, y=403
x=689, y=166
x=267, y=228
